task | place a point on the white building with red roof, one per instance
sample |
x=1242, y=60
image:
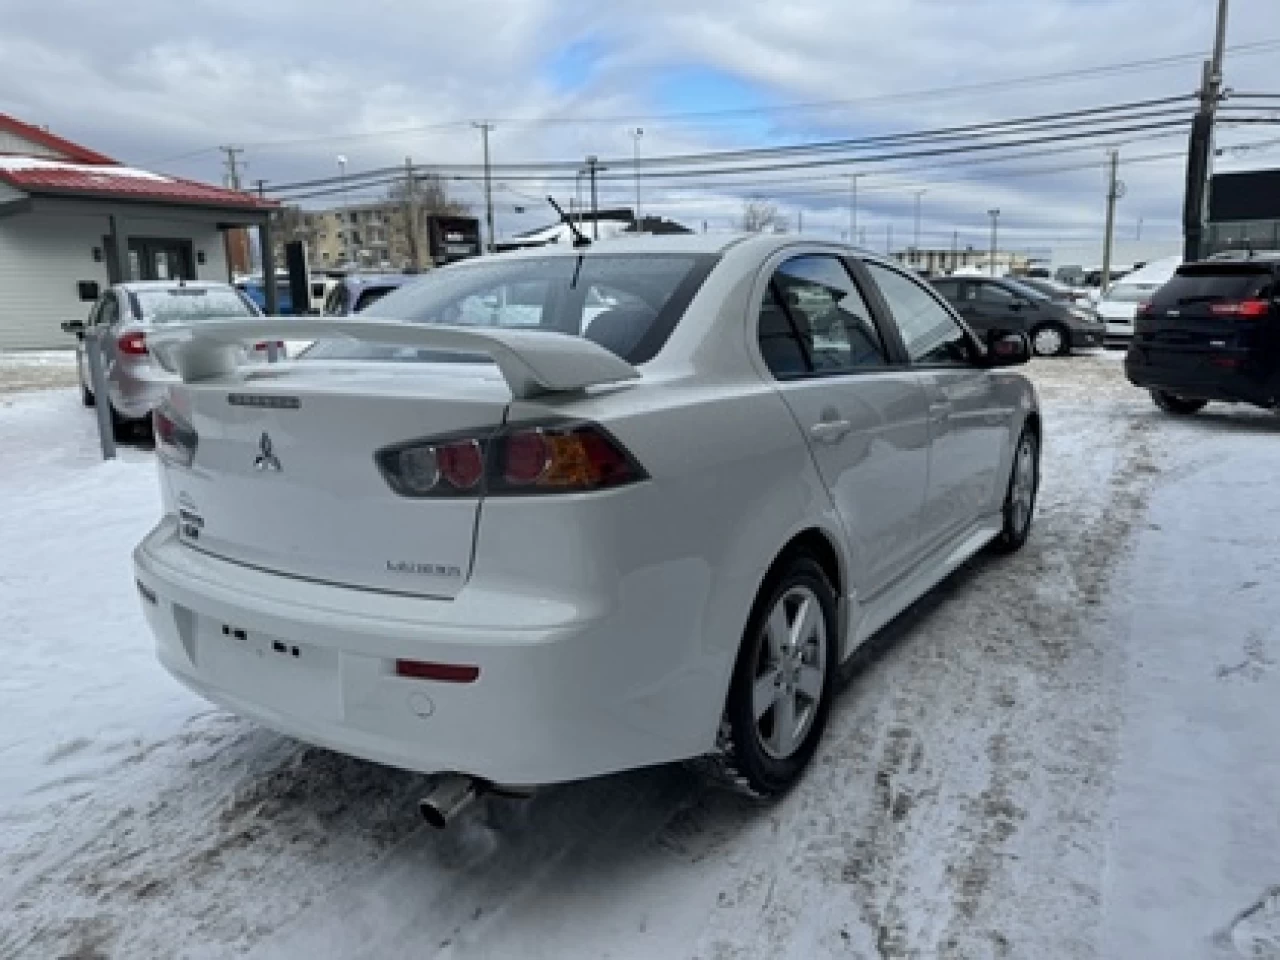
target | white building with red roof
x=73, y=221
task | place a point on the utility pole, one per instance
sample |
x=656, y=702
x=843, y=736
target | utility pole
x=593, y=167
x=233, y=165
x=994, y=214
x=800, y=221
x=1115, y=189
x=955, y=249
x=1200, y=146
x=1138, y=233
x=888, y=239
x=484, y=127
x=636, y=134
x=411, y=214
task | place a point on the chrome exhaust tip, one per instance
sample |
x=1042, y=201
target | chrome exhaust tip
x=452, y=794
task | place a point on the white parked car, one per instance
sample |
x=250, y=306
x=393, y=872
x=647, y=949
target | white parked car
x=535, y=553
x=1118, y=306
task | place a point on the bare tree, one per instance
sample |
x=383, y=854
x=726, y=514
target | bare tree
x=431, y=194
x=760, y=216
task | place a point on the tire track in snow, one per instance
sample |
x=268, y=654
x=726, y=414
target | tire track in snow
x=952, y=810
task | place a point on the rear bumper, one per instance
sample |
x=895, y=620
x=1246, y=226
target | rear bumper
x=552, y=701
x=135, y=394
x=1118, y=330
x=1204, y=375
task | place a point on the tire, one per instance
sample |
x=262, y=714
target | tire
x=1050, y=340
x=86, y=397
x=1020, y=499
x=1180, y=406
x=121, y=427
x=789, y=680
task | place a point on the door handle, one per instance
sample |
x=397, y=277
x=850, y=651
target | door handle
x=830, y=431
x=940, y=411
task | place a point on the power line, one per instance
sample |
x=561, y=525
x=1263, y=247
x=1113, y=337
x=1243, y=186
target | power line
x=1110, y=114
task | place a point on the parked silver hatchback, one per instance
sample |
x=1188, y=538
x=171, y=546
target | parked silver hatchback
x=121, y=319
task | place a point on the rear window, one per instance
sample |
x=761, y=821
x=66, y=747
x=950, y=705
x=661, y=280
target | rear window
x=1201, y=283
x=628, y=304
x=1131, y=292
x=188, y=304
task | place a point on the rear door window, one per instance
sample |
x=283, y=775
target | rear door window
x=814, y=320
x=948, y=288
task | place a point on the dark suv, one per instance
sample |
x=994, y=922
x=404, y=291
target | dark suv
x=1002, y=303
x=1210, y=333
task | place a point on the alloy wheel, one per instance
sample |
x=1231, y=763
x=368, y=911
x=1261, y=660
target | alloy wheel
x=790, y=672
x=1023, y=492
x=1047, y=341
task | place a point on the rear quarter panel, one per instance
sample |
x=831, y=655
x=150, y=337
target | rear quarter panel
x=675, y=561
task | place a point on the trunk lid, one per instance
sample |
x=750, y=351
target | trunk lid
x=284, y=477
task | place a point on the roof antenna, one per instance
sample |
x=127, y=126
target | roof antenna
x=579, y=238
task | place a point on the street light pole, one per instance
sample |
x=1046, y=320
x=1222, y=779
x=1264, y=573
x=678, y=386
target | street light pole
x=484, y=127
x=593, y=167
x=994, y=214
x=915, y=245
x=636, y=134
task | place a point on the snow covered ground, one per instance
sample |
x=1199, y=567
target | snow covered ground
x=1067, y=753
x=36, y=369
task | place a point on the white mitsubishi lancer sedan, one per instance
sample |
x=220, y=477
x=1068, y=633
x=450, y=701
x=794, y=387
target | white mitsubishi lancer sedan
x=544, y=516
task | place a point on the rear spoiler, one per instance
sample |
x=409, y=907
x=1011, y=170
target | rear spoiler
x=532, y=362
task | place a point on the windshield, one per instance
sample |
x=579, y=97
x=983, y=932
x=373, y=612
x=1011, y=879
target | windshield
x=1131, y=292
x=188, y=304
x=627, y=303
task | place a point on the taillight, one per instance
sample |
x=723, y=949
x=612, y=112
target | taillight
x=550, y=458
x=132, y=344
x=1241, y=308
x=1144, y=309
x=175, y=438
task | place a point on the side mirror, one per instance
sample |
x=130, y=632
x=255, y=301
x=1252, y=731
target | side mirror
x=74, y=326
x=1005, y=349
x=1018, y=305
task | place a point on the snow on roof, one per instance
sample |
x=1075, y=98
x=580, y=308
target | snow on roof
x=41, y=175
x=12, y=163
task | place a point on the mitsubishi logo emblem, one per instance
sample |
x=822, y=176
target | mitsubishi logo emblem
x=266, y=461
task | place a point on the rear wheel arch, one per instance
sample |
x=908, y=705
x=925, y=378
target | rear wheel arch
x=813, y=542
x=1032, y=423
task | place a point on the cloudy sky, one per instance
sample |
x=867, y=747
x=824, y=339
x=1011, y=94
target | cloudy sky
x=298, y=82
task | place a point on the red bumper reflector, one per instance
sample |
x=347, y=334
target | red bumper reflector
x=444, y=672
x=1228, y=362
